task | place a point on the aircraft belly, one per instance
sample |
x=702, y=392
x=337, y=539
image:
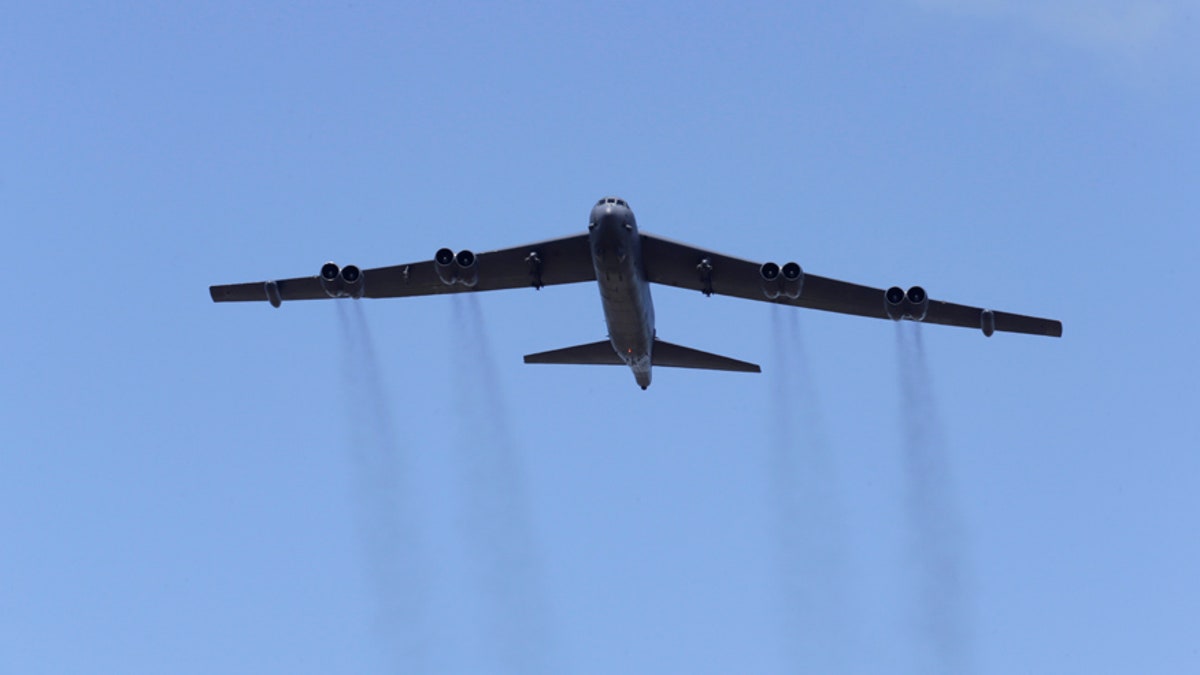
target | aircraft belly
x=629, y=314
x=624, y=291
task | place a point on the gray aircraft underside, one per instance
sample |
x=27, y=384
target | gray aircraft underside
x=624, y=263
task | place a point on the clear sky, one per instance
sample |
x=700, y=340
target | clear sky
x=384, y=486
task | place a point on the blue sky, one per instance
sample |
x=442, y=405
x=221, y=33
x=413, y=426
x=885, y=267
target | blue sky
x=384, y=487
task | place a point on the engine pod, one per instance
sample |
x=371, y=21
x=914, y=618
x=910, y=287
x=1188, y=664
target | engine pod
x=468, y=273
x=443, y=264
x=792, y=280
x=353, y=281
x=893, y=303
x=916, y=303
x=769, y=272
x=331, y=280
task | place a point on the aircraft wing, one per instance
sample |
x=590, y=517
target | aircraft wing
x=684, y=266
x=546, y=263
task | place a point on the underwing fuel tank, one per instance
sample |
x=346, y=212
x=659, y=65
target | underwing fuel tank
x=987, y=320
x=273, y=296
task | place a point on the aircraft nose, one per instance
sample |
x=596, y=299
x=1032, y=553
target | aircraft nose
x=608, y=234
x=612, y=218
x=608, y=221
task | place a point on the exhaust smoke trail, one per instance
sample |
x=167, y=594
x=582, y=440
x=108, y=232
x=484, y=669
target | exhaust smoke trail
x=937, y=539
x=499, y=528
x=386, y=520
x=807, y=520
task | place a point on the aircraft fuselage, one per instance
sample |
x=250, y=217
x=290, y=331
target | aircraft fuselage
x=624, y=291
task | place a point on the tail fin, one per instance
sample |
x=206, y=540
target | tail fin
x=675, y=356
x=595, y=353
x=665, y=354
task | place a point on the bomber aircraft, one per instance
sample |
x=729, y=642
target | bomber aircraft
x=624, y=262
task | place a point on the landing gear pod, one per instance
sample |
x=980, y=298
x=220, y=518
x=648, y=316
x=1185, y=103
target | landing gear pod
x=330, y=273
x=443, y=263
x=770, y=280
x=468, y=273
x=987, y=320
x=793, y=280
x=353, y=283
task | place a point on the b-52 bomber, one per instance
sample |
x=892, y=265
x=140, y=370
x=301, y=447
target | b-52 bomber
x=624, y=262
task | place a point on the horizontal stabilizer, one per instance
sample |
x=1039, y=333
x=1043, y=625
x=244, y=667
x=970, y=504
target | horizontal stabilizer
x=675, y=356
x=595, y=353
x=665, y=354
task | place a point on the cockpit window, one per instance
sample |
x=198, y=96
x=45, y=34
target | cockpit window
x=612, y=200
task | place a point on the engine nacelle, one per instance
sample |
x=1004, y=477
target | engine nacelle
x=443, y=264
x=331, y=280
x=771, y=285
x=918, y=303
x=468, y=273
x=793, y=280
x=337, y=282
x=353, y=281
x=901, y=305
x=893, y=303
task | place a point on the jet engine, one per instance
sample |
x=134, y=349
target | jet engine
x=901, y=305
x=793, y=280
x=893, y=303
x=918, y=303
x=456, y=269
x=771, y=285
x=468, y=273
x=344, y=282
x=331, y=279
x=352, y=281
x=443, y=263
